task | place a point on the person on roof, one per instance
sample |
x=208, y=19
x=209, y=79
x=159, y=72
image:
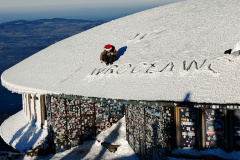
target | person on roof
x=108, y=55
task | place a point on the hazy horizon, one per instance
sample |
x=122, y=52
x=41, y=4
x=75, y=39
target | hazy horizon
x=92, y=10
x=99, y=14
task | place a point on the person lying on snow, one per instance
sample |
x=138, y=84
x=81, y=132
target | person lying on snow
x=108, y=55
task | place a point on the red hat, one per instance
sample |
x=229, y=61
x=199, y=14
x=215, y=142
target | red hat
x=108, y=47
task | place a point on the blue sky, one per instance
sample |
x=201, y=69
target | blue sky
x=76, y=9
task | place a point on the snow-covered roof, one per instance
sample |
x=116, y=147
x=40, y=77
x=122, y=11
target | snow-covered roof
x=167, y=53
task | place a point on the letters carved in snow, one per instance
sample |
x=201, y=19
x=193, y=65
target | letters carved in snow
x=155, y=67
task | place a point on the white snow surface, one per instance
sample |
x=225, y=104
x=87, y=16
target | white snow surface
x=236, y=49
x=169, y=52
x=17, y=132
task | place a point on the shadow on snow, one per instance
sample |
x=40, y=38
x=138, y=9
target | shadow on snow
x=29, y=137
x=121, y=52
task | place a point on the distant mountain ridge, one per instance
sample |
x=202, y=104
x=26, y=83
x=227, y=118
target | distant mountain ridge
x=49, y=20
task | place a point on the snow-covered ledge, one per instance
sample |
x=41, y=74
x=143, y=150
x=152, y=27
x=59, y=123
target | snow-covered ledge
x=21, y=133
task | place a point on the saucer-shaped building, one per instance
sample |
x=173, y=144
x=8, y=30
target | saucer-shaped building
x=169, y=56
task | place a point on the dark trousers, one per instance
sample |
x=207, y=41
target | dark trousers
x=109, y=59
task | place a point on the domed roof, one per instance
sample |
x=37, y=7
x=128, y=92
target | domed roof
x=165, y=53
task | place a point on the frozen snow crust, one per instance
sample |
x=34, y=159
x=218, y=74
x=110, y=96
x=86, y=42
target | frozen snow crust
x=169, y=52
